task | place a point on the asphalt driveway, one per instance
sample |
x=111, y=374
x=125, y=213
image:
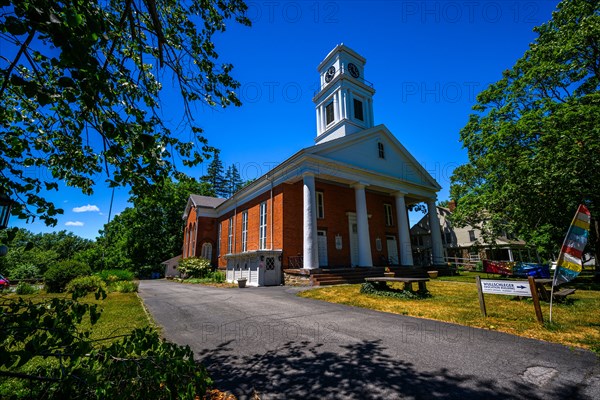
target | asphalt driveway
x=268, y=341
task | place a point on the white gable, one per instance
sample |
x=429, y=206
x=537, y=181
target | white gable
x=362, y=150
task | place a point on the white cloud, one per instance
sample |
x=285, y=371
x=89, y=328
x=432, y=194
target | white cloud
x=88, y=208
x=74, y=223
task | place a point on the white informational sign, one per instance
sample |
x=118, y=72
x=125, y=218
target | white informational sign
x=510, y=288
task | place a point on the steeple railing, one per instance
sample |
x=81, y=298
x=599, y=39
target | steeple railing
x=360, y=79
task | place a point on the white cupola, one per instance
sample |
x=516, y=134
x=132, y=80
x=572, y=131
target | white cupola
x=344, y=101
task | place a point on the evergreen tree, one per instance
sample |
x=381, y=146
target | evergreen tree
x=233, y=180
x=214, y=176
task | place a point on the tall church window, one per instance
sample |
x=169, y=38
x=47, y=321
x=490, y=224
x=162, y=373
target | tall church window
x=230, y=235
x=262, y=229
x=358, y=110
x=381, y=150
x=320, y=206
x=206, y=251
x=194, y=236
x=245, y=231
x=389, y=219
x=329, y=113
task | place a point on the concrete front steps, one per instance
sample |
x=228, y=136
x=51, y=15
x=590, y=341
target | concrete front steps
x=341, y=276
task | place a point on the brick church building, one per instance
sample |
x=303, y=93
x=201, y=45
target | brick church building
x=339, y=203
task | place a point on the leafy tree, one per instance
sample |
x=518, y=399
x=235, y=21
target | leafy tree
x=79, y=92
x=534, y=143
x=29, y=252
x=69, y=364
x=214, y=176
x=233, y=181
x=151, y=231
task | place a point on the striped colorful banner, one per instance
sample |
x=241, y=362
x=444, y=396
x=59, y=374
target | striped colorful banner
x=569, y=262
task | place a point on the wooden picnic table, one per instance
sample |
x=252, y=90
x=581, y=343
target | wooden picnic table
x=540, y=284
x=407, y=282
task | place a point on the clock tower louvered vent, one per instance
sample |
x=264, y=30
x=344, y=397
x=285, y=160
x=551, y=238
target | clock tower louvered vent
x=344, y=101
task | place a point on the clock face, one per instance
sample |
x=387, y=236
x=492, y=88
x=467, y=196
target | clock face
x=353, y=70
x=329, y=74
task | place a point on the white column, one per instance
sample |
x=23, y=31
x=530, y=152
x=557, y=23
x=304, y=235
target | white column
x=336, y=107
x=437, y=249
x=318, y=121
x=344, y=105
x=362, y=224
x=511, y=257
x=403, y=230
x=311, y=258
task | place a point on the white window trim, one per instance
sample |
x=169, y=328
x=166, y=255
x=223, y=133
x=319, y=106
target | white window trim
x=245, y=230
x=332, y=113
x=230, y=235
x=389, y=214
x=206, y=251
x=381, y=150
x=262, y=226
x=320, y=205
x=219, y=239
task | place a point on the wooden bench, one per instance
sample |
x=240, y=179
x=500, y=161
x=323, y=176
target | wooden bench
x=544, y=293
x=407, y=282
x=562, y=294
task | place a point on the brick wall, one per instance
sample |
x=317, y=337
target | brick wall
x=274, y=232
x=338, y=201
x=286, y=232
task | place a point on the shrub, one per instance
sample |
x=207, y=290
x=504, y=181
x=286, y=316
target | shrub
x=59, y=274
x=114, y=275
x=86, y=284
x=195, y=267
x=140, y=365
x=25, y=271
x=25, y=288
x=124, y=286
x=380, y=289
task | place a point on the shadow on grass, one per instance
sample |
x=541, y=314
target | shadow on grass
x=365, y=370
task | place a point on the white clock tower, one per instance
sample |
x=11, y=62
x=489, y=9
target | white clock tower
x=344, y=101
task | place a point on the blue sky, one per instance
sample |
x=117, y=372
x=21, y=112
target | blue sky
x=426, y=59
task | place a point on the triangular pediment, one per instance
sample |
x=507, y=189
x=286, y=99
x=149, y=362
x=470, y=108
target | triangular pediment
x=362, y=150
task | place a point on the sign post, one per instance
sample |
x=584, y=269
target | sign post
x=509, y=288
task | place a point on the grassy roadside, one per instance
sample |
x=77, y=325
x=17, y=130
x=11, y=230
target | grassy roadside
x=121, y=312
x=575, y=323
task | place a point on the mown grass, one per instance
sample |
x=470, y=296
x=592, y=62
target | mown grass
x=575, y=323
x=581, y=282
x=121, y=313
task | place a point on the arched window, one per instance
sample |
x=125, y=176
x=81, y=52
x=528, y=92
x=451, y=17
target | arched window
x=381, y=150
x=206, y=251
x=193, y=241
x=189, y=241
x=186, y=236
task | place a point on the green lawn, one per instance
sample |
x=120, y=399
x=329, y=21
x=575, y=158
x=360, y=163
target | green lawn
x=575, y=323
x=581, y=282
x=122, y=312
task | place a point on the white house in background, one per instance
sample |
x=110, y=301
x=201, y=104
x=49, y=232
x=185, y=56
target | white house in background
x=339, y=203
x=465, y=243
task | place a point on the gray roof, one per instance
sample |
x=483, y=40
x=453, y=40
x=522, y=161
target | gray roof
x=172, y=260
x=205, y=201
